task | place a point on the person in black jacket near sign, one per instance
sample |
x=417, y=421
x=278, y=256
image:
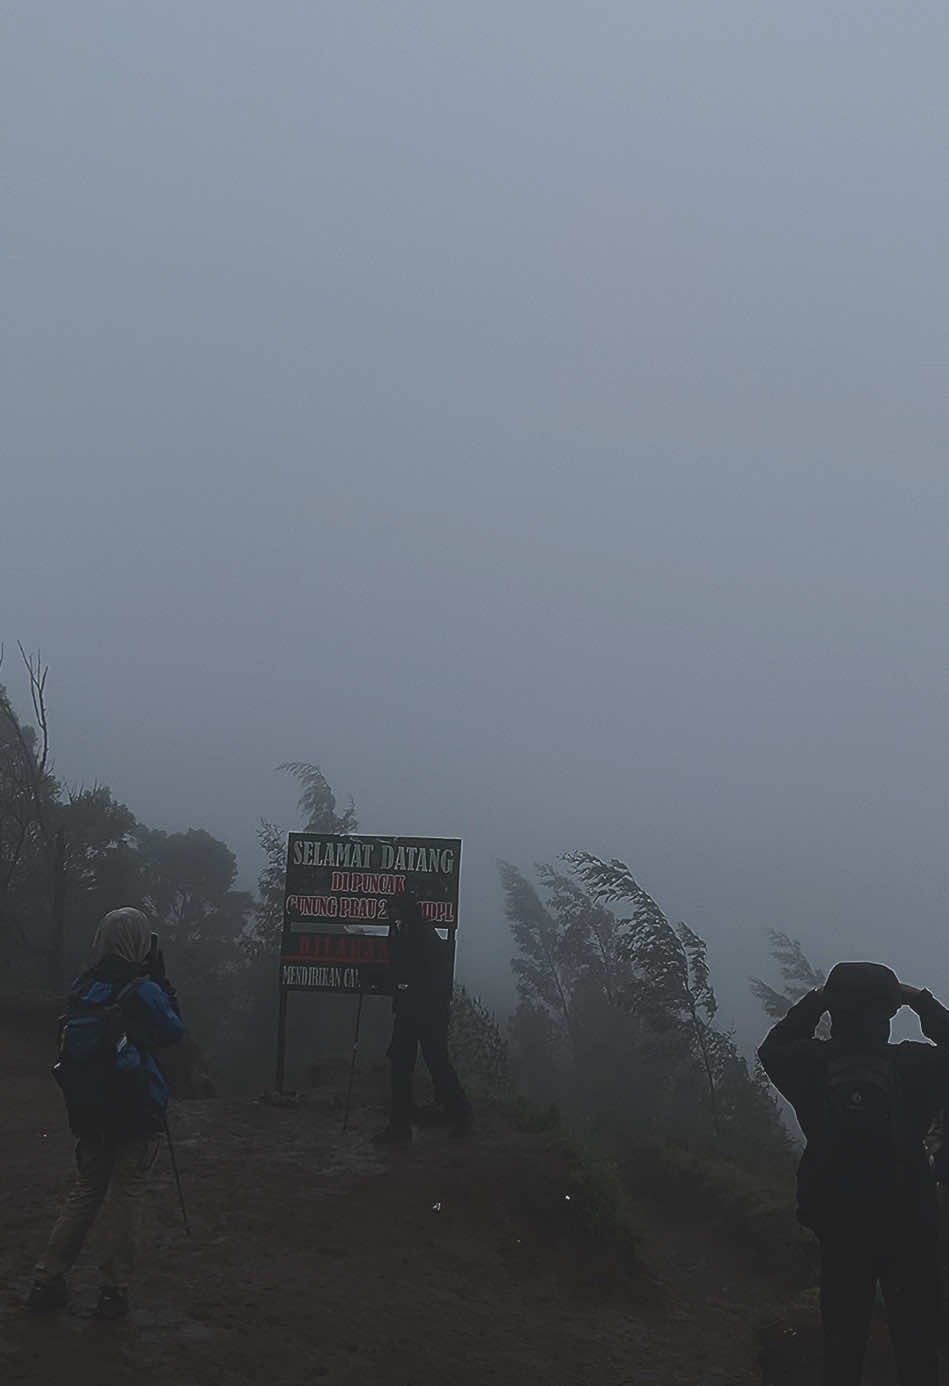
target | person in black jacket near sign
x=421, y=1004
x=865, y=1184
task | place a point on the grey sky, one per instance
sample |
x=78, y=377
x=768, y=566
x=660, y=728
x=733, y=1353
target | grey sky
x=525, y=410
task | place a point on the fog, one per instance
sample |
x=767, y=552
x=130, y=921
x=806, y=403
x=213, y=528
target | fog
x=535, y=414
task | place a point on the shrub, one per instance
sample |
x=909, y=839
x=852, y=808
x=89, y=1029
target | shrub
x=754, y=1208
x=603, y=1204
x=478, y=1047
x=575, y=1198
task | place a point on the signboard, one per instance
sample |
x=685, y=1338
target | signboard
x=336, y=906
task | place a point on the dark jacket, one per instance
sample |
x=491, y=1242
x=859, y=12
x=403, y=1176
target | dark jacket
x=149, y=1015
x=832, y=1190
x=421, y=962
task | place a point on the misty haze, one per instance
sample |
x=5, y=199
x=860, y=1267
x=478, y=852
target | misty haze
x=510, y=441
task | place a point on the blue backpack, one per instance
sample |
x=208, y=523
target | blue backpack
x=99, y=1069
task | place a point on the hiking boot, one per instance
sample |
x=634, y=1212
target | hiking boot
x=113, y=1303
x=47, y=1294
x=393, y=1135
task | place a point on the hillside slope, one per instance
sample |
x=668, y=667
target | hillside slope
x=314, y=1259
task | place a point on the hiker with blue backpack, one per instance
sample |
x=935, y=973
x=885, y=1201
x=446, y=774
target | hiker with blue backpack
x=118, y=1013
x=865, y=1184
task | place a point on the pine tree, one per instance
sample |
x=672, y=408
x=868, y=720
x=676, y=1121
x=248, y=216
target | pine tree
x=798, y=976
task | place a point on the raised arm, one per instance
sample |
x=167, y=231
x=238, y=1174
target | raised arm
x=152, y=1019
x=933, y=1015
x=787, y=1050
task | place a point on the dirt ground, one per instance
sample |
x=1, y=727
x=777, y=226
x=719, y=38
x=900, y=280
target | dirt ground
x=313, y=1259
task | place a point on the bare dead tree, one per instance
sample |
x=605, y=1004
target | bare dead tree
x=16, y=804
x=33, y=760
x=27, y=809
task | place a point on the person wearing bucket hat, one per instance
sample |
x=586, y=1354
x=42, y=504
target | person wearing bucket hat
x=865, y=1185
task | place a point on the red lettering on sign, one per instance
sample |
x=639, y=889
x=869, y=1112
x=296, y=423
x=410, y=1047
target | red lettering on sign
x=365, y=950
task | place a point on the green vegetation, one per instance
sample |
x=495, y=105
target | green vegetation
x=751, y=1205
x=601, y=1199
x=616, y=1020
x=478, y=1048
x=616, y=1028
x=67, y=855
x=573, y=1195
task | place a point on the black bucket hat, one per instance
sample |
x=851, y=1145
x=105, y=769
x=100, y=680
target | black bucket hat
x=863, y=986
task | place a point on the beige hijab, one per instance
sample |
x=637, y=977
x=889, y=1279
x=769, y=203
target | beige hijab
x=124, y=934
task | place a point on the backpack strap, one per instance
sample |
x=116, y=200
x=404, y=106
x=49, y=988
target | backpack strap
x=127, y=990
x=114, y=1008
x=84, y=1006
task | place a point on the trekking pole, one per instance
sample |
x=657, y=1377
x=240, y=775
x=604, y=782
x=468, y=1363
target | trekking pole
x=352, y=1064
x=174, y=1166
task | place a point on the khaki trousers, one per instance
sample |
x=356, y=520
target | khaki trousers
x=104, y=1167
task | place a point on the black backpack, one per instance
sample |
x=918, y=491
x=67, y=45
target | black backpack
x=99, y=1070
x=863, y=1105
